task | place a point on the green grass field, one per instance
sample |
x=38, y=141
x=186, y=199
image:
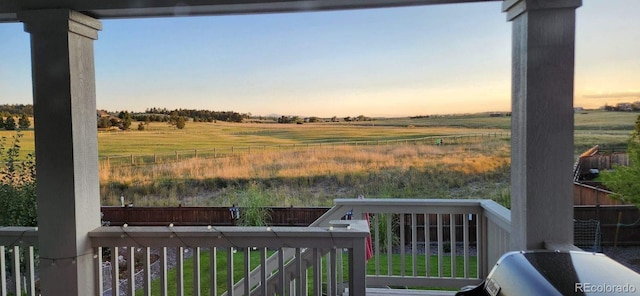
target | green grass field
x=592, y=127
x=238, y=273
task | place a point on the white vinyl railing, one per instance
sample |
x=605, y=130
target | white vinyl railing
x=17, y=260
x=445, y=243
x=331, y=240
x=415, y=243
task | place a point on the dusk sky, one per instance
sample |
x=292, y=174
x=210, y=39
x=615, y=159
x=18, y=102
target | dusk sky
x=437, y=59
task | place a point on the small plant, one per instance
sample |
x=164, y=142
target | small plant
x=446, y=247
x=254, y=209
x=383, y=230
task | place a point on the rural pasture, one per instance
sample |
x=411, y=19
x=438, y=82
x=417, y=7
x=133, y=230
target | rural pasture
x=323, y=161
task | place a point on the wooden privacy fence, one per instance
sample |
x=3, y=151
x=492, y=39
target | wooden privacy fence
x=628, y=232
x=619, y=224
x=585, y=194
x=141, y=159
x=195, y=216
x=603, y=161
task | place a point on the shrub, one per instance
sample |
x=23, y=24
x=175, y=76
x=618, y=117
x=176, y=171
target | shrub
x=17, y=185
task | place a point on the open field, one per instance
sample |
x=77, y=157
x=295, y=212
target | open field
x=592, y=127
x=314, y=177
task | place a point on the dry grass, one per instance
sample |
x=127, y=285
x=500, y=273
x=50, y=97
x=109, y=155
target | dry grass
x=310, y=177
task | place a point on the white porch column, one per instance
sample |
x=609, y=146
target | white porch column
x=66, y=147
x=542, y=121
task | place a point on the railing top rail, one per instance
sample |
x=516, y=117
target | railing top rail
x=339, y=234
x=408, y=201
x=12, y=235
x=498, y=214
x=433, y=206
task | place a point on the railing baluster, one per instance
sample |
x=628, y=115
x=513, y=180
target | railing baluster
x=3, y=273
x=339, y=264
x=146, y=261
x=402, y=242
x=317, y=273
x=281, y=272
x=465, y=234
x=427, y=245
x=115, y=274
x=213, y=273
x=480, y=241
x=376, y=227
x=16, y=270
x=299, y=273
x=30, y=271
x=99, y=278
x=263, y=271
x=131, y=271
x=230, y=281
x=332, y=267
x=247, y=271
x=440, y=245
x=197, y=280
x=389, y=250
x=163, y=272
x=180, y=271
x=304, y=281
x=452, y=235
x=414, y=244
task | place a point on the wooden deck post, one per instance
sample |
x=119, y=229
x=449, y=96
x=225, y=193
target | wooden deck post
x=66, y=146
x=542, y=121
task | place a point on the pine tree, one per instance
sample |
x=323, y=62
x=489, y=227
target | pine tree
x=24, y=122
x=10, y=124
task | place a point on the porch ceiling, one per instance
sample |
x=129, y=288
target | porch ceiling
x=161, y=8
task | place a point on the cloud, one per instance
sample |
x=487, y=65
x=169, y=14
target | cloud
x=627, y=94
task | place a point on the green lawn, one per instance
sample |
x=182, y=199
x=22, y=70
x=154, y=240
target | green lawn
x=238, y=260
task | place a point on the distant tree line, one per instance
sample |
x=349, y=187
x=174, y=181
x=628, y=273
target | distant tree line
x=197, y=115
x=177, y=117
x=13, y=117
x=16, y=109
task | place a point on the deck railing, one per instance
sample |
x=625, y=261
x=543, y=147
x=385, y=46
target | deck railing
x=446, y=243
x=415, y=243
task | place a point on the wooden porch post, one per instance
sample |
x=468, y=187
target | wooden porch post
x=542, y=121
x=66, y=147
